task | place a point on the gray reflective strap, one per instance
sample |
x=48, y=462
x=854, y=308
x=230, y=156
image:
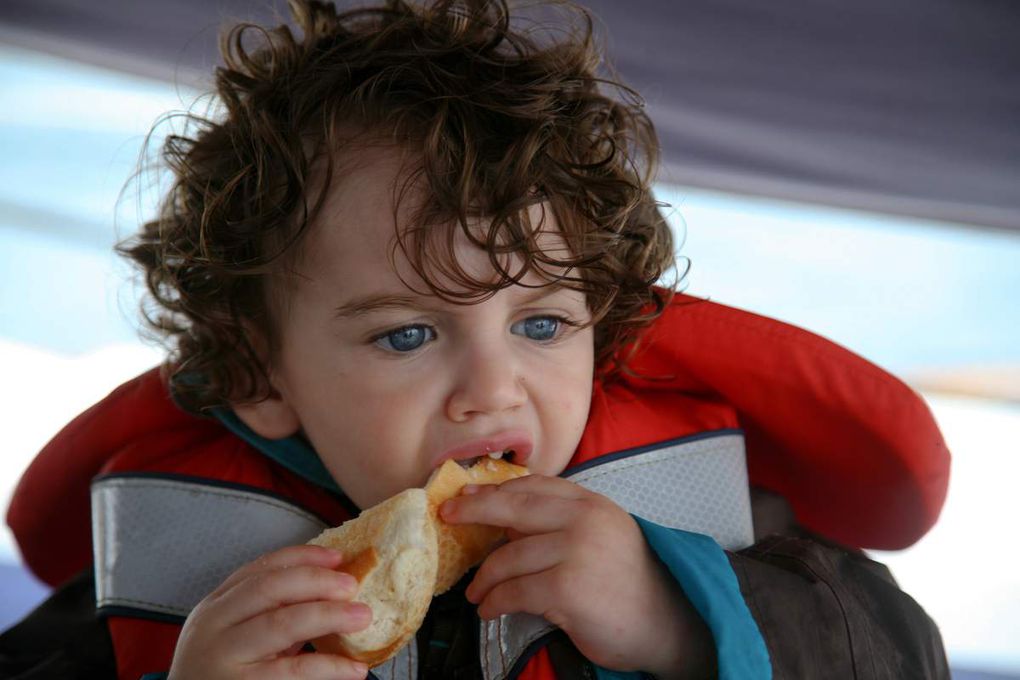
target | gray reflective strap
x=403, y=666
x=162, y=544
x=698, y=486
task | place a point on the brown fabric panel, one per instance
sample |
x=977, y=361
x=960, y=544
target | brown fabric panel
x=827, y=612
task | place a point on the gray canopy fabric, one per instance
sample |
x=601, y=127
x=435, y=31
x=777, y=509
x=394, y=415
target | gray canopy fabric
x=900, y=106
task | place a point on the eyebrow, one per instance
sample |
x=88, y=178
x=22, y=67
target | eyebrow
x=375, y=302
x=367, y=304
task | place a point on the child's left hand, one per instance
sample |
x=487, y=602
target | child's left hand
x=579, y=560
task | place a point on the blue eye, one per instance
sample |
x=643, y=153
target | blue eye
x=537, y=327
x=406, y=339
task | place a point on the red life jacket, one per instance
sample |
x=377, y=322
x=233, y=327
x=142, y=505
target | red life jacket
x=854, y=450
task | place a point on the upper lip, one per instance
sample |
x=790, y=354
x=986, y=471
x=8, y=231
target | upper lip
x=517, y=440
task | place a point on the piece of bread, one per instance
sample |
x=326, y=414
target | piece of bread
x=392, y=550
x=462, y=546
x=402, y=554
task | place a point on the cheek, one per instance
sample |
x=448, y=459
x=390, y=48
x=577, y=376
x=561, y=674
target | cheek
x=386, y=412
x=581, y=375
x=581, y=392
x=577, y=409
x=569, y=394
x=361, y=387
x=344, y=410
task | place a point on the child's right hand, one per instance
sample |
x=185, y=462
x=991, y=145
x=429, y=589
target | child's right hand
x=254, y=625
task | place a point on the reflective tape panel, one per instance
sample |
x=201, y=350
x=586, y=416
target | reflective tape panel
x=162, y=544
x=699, y=485
x=403, y=666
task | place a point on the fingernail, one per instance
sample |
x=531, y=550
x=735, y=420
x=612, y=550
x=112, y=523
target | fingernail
x=469, y=489
x=347, y=583
x=359, y=668
x=446, y=510
x=359, y=611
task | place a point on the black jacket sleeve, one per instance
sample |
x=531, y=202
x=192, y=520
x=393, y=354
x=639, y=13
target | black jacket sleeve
x=61, y=639
x=830, y=612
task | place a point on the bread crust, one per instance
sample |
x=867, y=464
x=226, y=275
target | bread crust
x=376, y=538
x=462, y=546
x=393, y=549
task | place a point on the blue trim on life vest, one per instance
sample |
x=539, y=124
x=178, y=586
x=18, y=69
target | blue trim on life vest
x=703, y=571
x=606, y=674
x=291, y=452
x=154, y=676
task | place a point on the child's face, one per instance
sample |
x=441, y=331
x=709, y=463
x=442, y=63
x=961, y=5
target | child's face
x=387, y=383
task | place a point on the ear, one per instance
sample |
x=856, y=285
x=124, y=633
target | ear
x=272, y=418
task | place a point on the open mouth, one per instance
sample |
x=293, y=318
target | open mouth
x=507, y=455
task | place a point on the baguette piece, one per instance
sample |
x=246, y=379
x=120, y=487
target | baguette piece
x=462, y=546
x=395, y=556
x=402, y=554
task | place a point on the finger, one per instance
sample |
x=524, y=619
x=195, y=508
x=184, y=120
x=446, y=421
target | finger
x=268, y=590
x=529, y=555
x=544, y=484
x=272, y=632
x=538, y=594
x=527, y=512
x=286, y=557
x=310, y=667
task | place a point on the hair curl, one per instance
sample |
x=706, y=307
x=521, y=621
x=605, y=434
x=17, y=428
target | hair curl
x=500, y=116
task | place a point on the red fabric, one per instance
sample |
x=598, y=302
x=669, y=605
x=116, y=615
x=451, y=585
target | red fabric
x=142, y=646
x=49, y=512
x=854, y=450
x=539, y=667
x=136, y=428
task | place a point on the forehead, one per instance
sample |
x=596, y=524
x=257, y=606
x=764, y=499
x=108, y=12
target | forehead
x=376, y=195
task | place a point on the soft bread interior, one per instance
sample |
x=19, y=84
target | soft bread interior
x=402, y=554
x=391, y=549
x=462, y=546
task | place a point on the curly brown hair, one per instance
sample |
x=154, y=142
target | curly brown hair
x=500, y=113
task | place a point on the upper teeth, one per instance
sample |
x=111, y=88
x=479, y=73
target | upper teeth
x=495, y=455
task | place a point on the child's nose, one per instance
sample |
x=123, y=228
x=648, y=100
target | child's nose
x=486, y=382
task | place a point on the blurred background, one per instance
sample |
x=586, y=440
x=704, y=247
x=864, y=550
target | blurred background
x=853, y=170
